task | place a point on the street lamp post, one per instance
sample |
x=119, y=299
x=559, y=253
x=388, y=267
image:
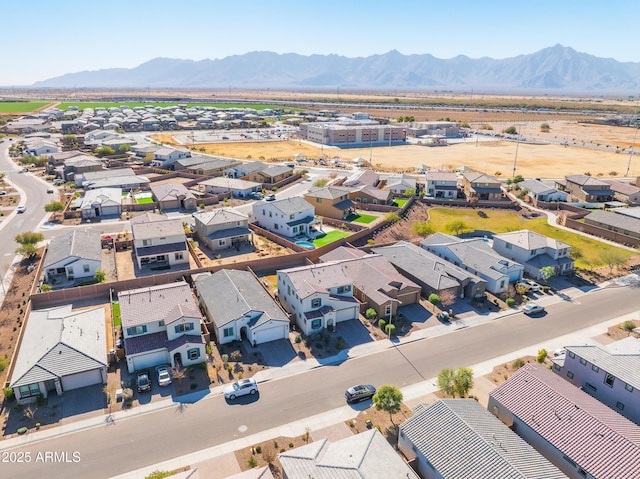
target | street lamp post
x=391, y=313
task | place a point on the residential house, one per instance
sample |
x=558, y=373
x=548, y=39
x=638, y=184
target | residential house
x=479, y=186
x=540, y=191
x=61, y=349
x=458, y=438
x=164, y=157
x=245, y=169
x=288, y=217
x=534, y=251
x=101, y=202
x=239, y=307
x=370, y=194
x=223, y=228
x=331, y=201
x=441, y=184
x=610, y=373
x=577, y=433
x=586, y=188
x=477, y=257
x=41, y=147
x=376, y=283
x=174, y=195
x=160, y=242
x=55, y=161
x=74, y=255
x=270, y=174
x=618, y=223
x=625, y=192
x=318, y=296
x=209, y=167
x=124, y=178
x=364, y=455
x=161, y=325
x=78, y=164
x=433, y=274
x=361, y=178
x=400, y=184
x=230, y=186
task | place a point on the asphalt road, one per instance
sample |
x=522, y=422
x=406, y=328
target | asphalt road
x=152, y=438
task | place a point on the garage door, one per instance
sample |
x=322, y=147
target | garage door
x=346, y=314
x=80, y=380
x=110, y=210
x=145, y=361
x=409, y=298
x=277, y=331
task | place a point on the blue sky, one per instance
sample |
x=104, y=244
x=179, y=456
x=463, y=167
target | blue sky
x=44, y=38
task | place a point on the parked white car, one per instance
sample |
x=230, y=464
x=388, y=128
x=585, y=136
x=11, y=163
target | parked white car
x=533, y=286
x=532, y=308
x=240, y=388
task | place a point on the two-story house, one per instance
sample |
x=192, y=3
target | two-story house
x=331, y=201
x=317, y=296
x=161, y=325
x=479, y=186
x=540, y=191
x=441, y=184
x=223, y=228
x=269, y=174
x=164, y=157
x=534, y=251
x=159, y=242
x=288, y=217
x=610, y=373
x=586, y=188
x=81, y=164
x=625, y=192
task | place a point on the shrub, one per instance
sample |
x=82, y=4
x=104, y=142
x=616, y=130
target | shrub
x=3, y=363
x=542, y=355
x=518, y=363
x=510, y=302
x=225, y=358
x=252, y=462
x=236, y=356
x=370, y=313
x=628, y=326
x=298, y=341
x=127, y=395
x=291, y=445
x=258, y=449
x=390, y=329
x=545, y=289
x=22, y=430
x=39, y=399
x=434, y=299
x=382, y=323
x=9, y=394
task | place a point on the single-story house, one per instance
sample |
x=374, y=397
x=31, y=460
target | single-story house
x=77, y=254
x=174, y=195
x=231, y=186
x=101, y=202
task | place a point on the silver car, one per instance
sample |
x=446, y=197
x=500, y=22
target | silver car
x=240, y=388
x=532, y=308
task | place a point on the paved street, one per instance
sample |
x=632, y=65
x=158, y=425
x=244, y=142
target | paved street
x=144, y=437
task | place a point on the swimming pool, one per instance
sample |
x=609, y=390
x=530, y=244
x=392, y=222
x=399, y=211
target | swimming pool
x=306, y=244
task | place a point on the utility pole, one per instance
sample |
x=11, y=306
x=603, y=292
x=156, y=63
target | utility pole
x=635, y=136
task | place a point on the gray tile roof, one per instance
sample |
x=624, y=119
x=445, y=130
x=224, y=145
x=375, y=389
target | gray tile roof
x=365, y=177
x=81, y=243
x=435, y=175
x=529, y=240
x=342, y=252
x=58, y=342
x=148, y=217
x=625, y=365
x=290, y=206
x=233, y=294
x=232, y=183
x=615, y=220
x=585, y=180
x=156, y=303
x=604, y=443
x=537, y=187
x=477, y=177
x=221, y=216
x=362, y=456
x=461, y=439
x=316, y=278
x=157, y=229
x=102, y=196
x=170, y=191
x=622, y=187
x=276, y=170
x=328, y=192
x=377, y=193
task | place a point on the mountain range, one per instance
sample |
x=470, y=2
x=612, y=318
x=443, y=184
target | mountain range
x=556, y=69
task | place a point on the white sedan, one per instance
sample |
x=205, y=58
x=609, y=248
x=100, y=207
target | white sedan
x=532, y=308
x=240, y=388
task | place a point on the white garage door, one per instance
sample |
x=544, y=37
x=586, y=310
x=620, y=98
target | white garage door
x=346, y=314
x=145, y=361
x=277, y=331
x=80, y=380
x=110, y=210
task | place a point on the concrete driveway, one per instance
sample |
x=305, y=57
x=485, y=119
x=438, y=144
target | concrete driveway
x=276, y=353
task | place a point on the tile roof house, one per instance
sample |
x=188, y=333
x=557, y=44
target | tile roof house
x=61, y=349
x=124, y=178
x=366, y=455
x=362, y=178
x=245, y=168
x=160, y=242
x=399, y=184
x=482, y=187
x=164, y=157
x=101, y=202
x=619, y=223
x=476, y=256
x=441, y=184
x=377, y=284
x=289, y=217
x=238, y=306
x=81, y=163
x=610, y=373
x=458, y=438
x=540, y=191
x=577, y=433
x=432, y=273
x=174, y=195
x=233, y=187
x=75, y=255
x=223, y=228
x=270, y=174
x=161, y=325
x=364, y=194
x=330, y=201
x=534, y=251
x=625, y=192
x=318, y=296
x=588, y=189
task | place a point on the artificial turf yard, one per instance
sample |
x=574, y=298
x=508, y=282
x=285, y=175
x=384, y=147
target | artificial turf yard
x=330, y=237
x=144, y=200
x=366, y=219
x=502, y=221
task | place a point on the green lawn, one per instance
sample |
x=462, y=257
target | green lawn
x=503, y=221
x=116, y=313
x=330, y=237
x=21, y=106
x=145, y=200
x=366, y=219
x=400, y=202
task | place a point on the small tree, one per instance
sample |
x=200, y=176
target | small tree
x=446, y=381
x=542, y=355
x=547, y=272
x=457, y=227
x=409, y=192
x=434, y=299
x=392, y=217
x=544, y=128
x=105, y=151
x=463, y=381
x=512, y=130
x=370, y=313
x=447, y=298
x=612, y=257
x=100, y=276
x=422, y=228
x=388, y=398
x=28, y=243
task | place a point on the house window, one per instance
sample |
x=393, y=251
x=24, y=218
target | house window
x=183, y=328
x=583, y=361
x=609, y=380
x=569, y=374
x=569, y=460
x=595, y=368
x=533, y=252
x=29, y=390
x=316, y=303
x=264, y=213
x=227, y=332
x=344, y=289
x=620, y=406
x=629, y=388
x=85, y=268
x=276, y=226
x=146, y=242
x=590, y=387
x=509, y=246
x=221, y=242
x=193, y=354
x=160, y=323
x=135, y=330
x=572, y=355
x=318, y=200
x=556, y=367
x=502, y=284
x=291, y=217
x=582, y=472
x=179, y=256
x=387, y=310
x=316, y=324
